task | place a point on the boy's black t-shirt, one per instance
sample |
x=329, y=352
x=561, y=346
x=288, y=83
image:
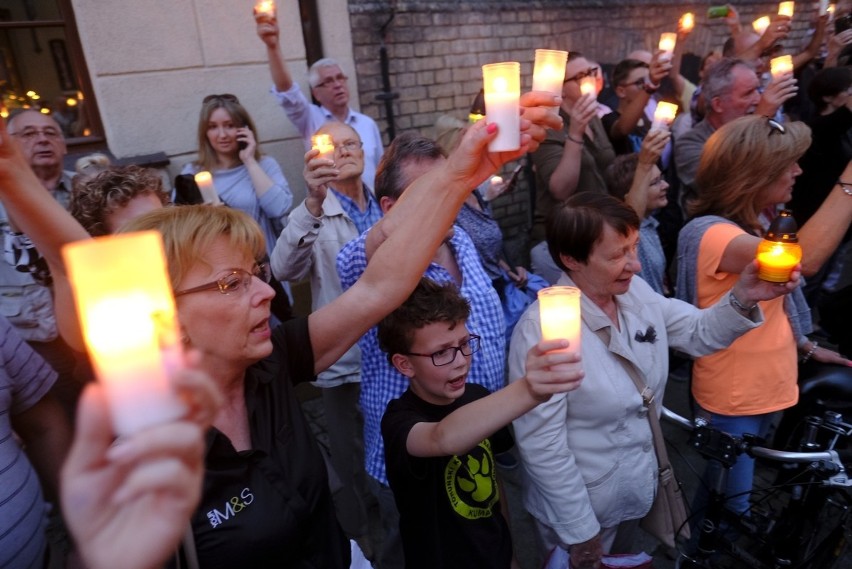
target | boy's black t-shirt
x=448, y=506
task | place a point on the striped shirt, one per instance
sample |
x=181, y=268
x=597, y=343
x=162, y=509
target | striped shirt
x=381, y=383
x=24, y=379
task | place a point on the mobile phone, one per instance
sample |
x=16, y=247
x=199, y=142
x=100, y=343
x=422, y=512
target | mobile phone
x=242, y=144
x=843, y=23
x=717, y=12
x=513, y=179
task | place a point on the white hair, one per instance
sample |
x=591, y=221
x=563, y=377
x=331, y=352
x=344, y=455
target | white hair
x=313, y=70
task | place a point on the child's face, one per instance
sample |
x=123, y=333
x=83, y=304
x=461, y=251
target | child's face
x=439, y=385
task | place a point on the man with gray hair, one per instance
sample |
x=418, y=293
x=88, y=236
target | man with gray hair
x=730, y=91
x=329, y=87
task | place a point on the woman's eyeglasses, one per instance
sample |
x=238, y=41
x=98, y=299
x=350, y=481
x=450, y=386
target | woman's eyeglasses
x=590, y=72
x=235, y=282
x=223, y=97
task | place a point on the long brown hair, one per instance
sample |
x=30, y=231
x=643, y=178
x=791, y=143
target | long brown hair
x=238, y=114
x=741, y=160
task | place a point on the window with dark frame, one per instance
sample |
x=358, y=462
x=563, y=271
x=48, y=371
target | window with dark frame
x=42, y=67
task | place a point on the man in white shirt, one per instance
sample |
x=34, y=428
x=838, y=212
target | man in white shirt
x=328, y=86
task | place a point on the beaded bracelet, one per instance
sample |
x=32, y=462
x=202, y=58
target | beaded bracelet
x=847, y=186
x=810, y=353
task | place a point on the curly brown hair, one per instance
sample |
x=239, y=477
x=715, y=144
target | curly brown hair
x=93, y=199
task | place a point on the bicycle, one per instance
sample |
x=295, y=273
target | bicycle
x=810, y=529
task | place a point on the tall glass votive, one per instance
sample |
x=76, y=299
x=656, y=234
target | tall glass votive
x=559, y=312
x=549, y=71
x=786, y=9
x=781, y=66
x=668, y=40
x=502, y=82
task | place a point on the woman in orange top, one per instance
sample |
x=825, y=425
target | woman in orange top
x=747, y=169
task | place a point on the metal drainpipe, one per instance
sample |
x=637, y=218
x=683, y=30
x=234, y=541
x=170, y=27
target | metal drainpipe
x=387, y=95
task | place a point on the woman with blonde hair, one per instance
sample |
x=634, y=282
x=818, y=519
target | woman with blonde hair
x=747, y=169
x=243, y=178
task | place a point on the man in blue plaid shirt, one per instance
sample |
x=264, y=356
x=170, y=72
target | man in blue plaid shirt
x=406, y=159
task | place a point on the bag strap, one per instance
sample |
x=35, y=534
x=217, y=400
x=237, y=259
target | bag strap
x=648, y=400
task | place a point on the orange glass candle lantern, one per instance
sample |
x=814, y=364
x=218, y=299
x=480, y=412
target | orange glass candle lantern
x=204, y=180
x=323, y=143
x=687, y=22
x=668, y=40
x=559, y=312
x=549, y=71
x=759, y=25
x=127, y=313
x=786, y=9
x=664, y=115
x=779, y=252
x=781, y=66
x=502, y=83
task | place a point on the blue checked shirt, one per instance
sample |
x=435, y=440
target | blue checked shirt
x=381, y=383
x=363, y=220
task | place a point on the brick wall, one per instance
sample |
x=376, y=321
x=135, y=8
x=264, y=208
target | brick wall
x=436, y=50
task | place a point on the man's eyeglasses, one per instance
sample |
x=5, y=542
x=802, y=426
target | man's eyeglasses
x=639, y=83
x=223, y=97
x=30, y=134
x=329, y=81
x=590, y=72
x=448, y=355
x=235, y=282
x=349, y=146
x=775, y=126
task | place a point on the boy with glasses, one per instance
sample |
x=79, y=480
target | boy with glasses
x=441, y=435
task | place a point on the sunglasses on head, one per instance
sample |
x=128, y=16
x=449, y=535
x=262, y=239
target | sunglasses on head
x=223, y=97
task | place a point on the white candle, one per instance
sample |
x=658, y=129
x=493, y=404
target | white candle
x=559, y=312
x=323, y=143
x=664, y=115
x=760, y=25
x=265, y=8
x=823, y=7
x=502, y=104
x=781, y=66
x=786, y=9
x=127, y=313
x=549, y=71
x=589, y=86
x=204, y=180
x=667, y=45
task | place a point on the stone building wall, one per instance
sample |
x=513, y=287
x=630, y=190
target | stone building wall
x=436, y=50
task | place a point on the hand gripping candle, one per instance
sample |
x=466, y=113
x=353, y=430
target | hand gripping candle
x=127, y=313
x=502, y=83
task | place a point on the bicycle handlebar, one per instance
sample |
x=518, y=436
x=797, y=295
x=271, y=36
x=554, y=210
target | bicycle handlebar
x=831, y=456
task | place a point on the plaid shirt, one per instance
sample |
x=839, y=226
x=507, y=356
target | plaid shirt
x=381, y=383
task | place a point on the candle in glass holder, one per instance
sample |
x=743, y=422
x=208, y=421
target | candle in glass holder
x=779, y=252
x=323, y=143
x=687, y=22
x=204, y=179
x=667, y=45
x=760, y=24
x=559, y=312
x=781, y=66
x=664, y=115
x=127, y=314
x=549, y=71
x=589, y=86
x=786, y=9
x=265, y=8
x=502, y=82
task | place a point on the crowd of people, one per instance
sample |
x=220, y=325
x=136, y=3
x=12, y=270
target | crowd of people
x=408, y=338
